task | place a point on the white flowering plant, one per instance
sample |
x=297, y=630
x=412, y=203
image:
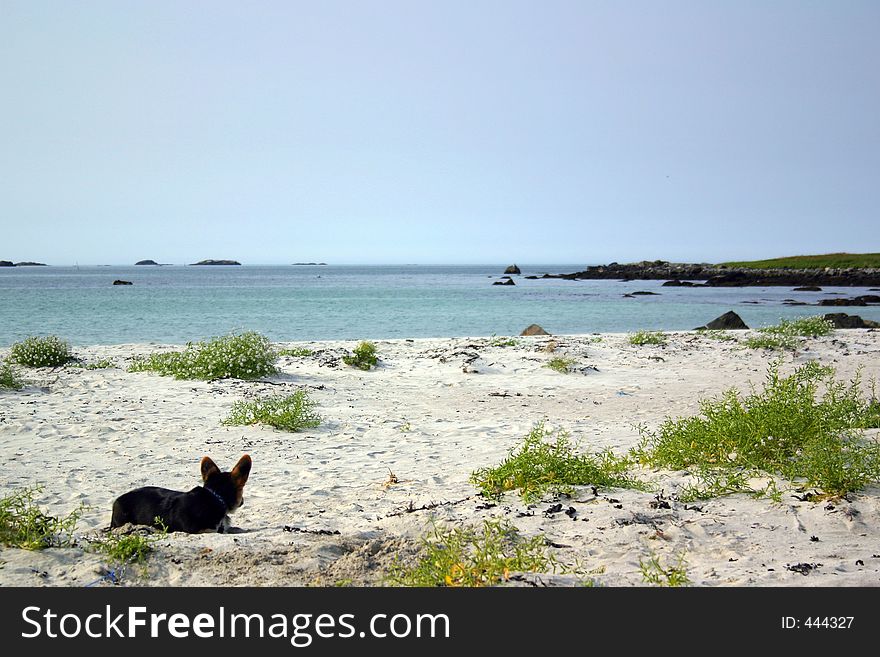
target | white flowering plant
x=41, y=351
x=246, y=355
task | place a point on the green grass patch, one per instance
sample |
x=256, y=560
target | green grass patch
x=296, y=352
x=787, y=429
x=41, y=351
x=787, y=334
x=503, y=342
x=363, y=356
x=23, y=524
x=468, y=557
x=133, y=548
x=9, y=378
x=648, y=337
x=833, y=260
x=655, y=573
x=561, y=365
x=97, y=365
x=717, y=334
x=546, y=462
x=236, y=356
x=285, y=412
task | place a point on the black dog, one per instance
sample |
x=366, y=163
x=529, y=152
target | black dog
x=203, y=509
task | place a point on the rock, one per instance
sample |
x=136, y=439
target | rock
x=507, y=281
x=844, y=321
x=513, y=269
x=6, y=263
x=644, y=293
x=30, y=264
x=808, y=288
x=119, y=282
x=678, y=283
x=869, y=298
x=146, y=262
x=217, y=262
x=532, y=278
x=534, y=329
x=729, y=321
x=842, y=302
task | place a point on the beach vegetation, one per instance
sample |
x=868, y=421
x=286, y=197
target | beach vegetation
x=9, y=378
x=655, y=573
x=363, y=356
x=547, y=462
x=807, y=428
x=41, y=351
x=497, y=341
x=102, y=364
x=647, y=337
x=124, y=549
x=560, y=364
x=786, y=334
x=717, y=334
x=285, y=412
x=462, y=556
x=246, y=355
x=23, y=524
x=832, y=260
x=296, y=352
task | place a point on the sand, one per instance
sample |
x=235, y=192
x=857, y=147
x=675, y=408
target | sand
x=321, y=506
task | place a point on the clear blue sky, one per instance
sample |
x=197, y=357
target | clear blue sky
x=438, y=132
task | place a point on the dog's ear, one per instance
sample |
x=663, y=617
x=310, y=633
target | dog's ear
x=241, y=470
x=208, y=468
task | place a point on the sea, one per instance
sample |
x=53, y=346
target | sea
x=175, y=304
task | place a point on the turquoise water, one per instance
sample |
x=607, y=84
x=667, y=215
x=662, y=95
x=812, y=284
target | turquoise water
x=174, y=304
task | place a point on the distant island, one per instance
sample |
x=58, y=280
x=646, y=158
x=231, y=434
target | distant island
x=309, y=264
x=147, y=262
x=217, y=262
x=7, y=263
x=843, y=269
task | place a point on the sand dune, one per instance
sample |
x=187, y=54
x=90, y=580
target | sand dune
x=318, y=508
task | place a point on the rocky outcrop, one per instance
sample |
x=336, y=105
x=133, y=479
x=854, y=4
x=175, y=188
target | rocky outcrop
x=842, y=302
x=729, y=321
x=31, y=264
x=808, y=288
x=119, y=282
x=678, y=283
x=513, y=269
x=217, y=262
x=844, y=321
x=147, y=262
x=507, y=280
x=6, y=263
x=534, y=329
x=862, y=300
x=722, y=276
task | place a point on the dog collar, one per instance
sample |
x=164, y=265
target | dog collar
x=220, y=499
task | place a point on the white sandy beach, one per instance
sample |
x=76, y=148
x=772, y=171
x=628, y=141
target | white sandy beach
x=318, y=508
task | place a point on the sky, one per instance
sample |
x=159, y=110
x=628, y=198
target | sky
x=398, y=132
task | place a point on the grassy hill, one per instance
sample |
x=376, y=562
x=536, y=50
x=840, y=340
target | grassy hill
x=834, y=260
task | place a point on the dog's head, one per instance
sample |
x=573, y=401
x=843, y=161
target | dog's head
x=228, y=485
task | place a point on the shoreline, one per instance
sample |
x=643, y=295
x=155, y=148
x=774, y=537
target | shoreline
x=432, y=413
x=726, y=276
